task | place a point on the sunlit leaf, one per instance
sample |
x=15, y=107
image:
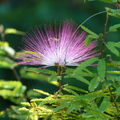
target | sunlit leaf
x=42, y=92
x=13, y=31
x=4, y=46
x=114, y=72
x=25, y=103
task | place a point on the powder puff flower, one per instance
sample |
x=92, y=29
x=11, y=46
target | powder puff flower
x=56, y=46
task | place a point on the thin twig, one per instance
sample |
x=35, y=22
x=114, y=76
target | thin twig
x=113, y=99
x=104, y=35
x=16, y=74
x=88, y=19
x=3, y=37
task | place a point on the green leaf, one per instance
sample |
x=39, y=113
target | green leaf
x=69, y=71
x=44, y=71
x=114, y=28
x=13, y=31
x=54, y=77
x=89, y=96
x=7, y=63
x=12, y=90
x=101, y=69
x=83, y=65
x=94, y=83
x=114, y=72
x=4, y=44
x=75, y=88
x=118, y=91
x=113, y=12
x=105, y=104
x=82, y=79
x=33, y=53
x=111, y=46
x=70, y=109
x=114, y=0
x=62, y=106
x=95, y=112
x=35, y=75
x=107, y=1
x=93, y=118
x=75, y=105
x=94, y=35
x=4, y=47
x=71, y=91
x=116, y=78
x=87, y=40
x=42, y=92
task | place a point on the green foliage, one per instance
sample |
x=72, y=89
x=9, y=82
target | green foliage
x=113, y=12
x=10, y=89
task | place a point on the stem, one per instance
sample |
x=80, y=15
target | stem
x=105, y=26
x=59, y=71
x=104, y=35
x=59, y=80
x=3, y=37
x=102, y=52
x=16, y=74
x=2, y=33
x=112, y=97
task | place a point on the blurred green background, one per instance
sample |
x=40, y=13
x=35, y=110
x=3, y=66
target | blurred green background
x=25, y=14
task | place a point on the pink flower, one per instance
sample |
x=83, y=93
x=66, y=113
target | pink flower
x=63, y=46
